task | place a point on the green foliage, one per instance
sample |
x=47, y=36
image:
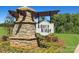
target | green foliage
x=6, y=48
x=49, y=44
x=54, y=48
x=66, y=23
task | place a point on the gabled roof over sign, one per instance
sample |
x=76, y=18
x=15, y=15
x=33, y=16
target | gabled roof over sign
x=22, y=10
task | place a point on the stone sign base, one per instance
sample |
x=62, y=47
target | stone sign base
x=20, y=43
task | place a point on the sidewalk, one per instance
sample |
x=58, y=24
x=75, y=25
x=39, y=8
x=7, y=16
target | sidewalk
x=77, y=49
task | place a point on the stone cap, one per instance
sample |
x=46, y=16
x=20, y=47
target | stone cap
x=26, y=9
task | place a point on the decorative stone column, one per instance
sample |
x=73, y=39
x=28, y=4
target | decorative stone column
x=24, y=29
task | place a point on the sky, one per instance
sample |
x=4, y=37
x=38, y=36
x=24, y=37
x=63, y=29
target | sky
x=63, y=9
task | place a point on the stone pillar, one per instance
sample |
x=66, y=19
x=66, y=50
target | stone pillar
x=24, y=30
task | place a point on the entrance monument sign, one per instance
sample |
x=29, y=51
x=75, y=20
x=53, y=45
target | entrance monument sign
x=24, y=31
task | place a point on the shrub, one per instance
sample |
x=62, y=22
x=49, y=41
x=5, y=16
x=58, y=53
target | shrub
x=51, y=38
x=5, y=38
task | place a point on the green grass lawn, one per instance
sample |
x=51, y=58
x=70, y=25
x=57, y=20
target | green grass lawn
x=3, y=31
x=71, y=41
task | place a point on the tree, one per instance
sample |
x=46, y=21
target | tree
x=8, y=23
x=66, y=23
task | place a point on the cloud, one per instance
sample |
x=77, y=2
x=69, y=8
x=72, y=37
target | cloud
x=1, y=21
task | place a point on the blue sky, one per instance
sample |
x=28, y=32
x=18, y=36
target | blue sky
x=63, y=9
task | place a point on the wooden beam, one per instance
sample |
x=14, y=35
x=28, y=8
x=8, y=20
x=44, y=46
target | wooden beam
x=46, y=13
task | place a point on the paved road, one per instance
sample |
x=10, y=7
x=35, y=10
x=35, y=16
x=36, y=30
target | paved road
x=77, y=49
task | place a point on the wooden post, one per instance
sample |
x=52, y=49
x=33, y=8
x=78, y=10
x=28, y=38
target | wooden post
x=50, y=16
x=38, y=19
